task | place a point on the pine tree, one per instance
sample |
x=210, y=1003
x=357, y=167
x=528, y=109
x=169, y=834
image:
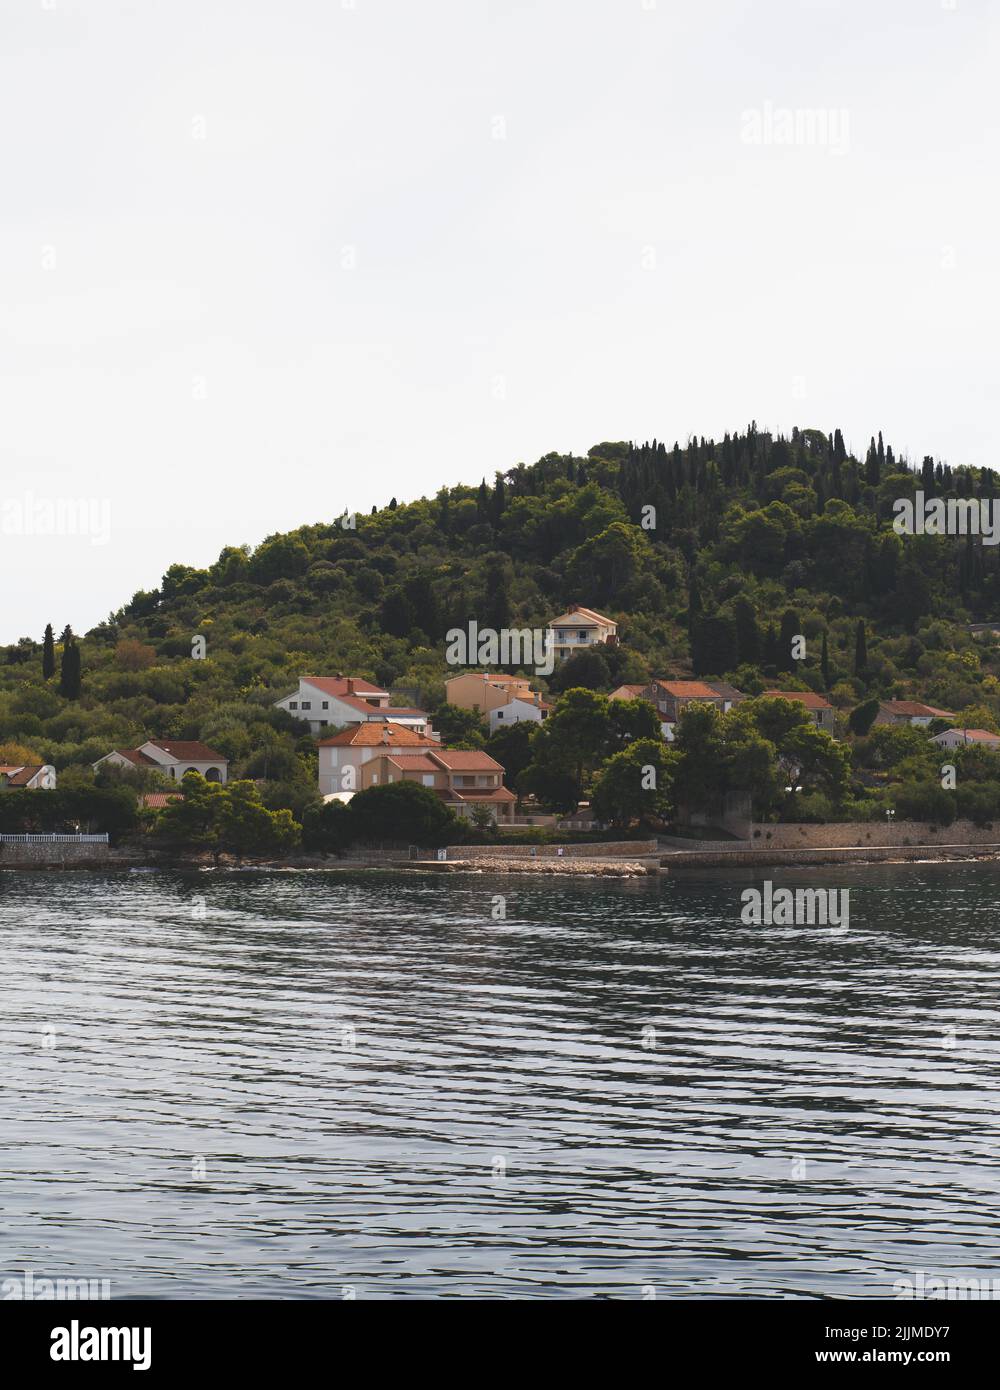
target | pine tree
x=860, y=649
x=48, y=653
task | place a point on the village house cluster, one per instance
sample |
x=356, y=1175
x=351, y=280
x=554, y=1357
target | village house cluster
x=366, y=741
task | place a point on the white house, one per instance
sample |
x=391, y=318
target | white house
x=581, y=627
x=518, y=709
x=335, y=701
x=342, y=756
x=174, y=757
x=34, y=776
x=959, y=738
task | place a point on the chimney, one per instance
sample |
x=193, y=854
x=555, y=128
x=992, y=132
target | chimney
x=350, y=685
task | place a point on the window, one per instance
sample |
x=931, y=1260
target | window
x=326, y=705
x=581, y=636
x=499, y=713
x=307, y=704
x=428, y=779
x=293, y=704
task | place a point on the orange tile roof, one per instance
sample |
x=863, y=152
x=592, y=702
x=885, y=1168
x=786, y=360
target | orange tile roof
x=376, y=733
x=915, y=708
x=19, y=775
x=187, y=750
x=689, y=690
x=344, y=685
x=803, y=697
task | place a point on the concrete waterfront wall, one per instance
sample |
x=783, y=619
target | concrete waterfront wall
x=617, y=849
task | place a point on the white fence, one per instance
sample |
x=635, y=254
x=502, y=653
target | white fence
x=54, y=839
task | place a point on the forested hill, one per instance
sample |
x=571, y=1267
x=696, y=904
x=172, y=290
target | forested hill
x=708, y=555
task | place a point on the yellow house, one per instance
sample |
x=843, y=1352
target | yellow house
x=484, y=690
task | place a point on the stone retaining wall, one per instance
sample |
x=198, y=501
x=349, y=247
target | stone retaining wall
x=43, y=856
x=617, y=849
x=869, y=833
x=790, y=858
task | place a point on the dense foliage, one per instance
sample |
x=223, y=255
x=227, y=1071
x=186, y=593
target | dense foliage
x=713, y=558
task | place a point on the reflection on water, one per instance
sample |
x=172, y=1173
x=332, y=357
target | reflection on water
x=299, y=1085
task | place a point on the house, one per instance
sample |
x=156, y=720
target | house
x=580, y=627
x=909, y=712
x=173, y=757
x=31, y=776
x=671, y=698
x=484, y=691
x=958, y=738
x=324, y=701
x=462, y=779
x=983, y=629
x=531, y=707
x=342, y=755
x=822, y=713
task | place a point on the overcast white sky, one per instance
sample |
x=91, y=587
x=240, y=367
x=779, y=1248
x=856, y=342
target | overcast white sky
x=260, y=262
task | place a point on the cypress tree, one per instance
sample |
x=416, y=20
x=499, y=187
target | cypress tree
x=824, y=663
x=69, y=668
x=747, y=632
x=48, y=654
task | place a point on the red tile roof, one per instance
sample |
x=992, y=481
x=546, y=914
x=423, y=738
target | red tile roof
x=19, y=776
x=973, y=735
x=689, y=690
x=344, y=685
x=803, y=697
x=155, y=801
x=186, y=751
x=496, y=794
x=467, y=760
x=134, y=756
x=413, y=762
x=376, y=733
x=914, y=708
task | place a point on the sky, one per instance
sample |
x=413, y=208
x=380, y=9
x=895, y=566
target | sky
x=261, y=263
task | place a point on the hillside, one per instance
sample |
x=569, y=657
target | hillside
x=709, y=556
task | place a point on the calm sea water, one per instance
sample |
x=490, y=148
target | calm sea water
x=389, y=1091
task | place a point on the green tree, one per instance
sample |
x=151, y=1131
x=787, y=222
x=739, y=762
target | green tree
x=246, y=826
x=635, y=784
x=69, y=668
x=403, y=813
x=48, y=654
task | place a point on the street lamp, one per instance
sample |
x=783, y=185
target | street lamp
x=890, y=816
